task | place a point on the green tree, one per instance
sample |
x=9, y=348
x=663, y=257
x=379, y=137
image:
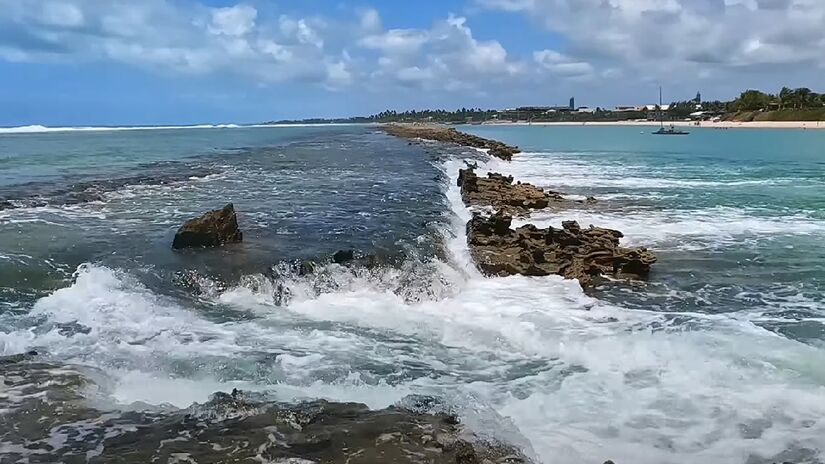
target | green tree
x=752, y=100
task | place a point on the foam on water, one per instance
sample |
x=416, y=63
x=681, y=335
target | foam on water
x=582, y=379
x=692, y=230
x=40, y=129
x=686, y=229
x=561, y=170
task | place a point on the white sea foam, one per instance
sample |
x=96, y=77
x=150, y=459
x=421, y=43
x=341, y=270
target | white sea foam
x=582, y=379
x=560, y=171
x=39, y=129
x=688, y=229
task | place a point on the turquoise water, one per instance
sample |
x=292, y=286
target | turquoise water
x=737, y=216
x=718, y=357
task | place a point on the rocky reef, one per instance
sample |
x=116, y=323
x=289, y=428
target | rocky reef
x=505, y=196
x=498, y=250
x=213, y=229
x=450, y=135
x=571, y=252
x=47, y=419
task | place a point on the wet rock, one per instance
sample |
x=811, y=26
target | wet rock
x=45, y=415
x=450, y=135
x=196, y=283
x=500, y=193
x=308, y=267
x=343, y=256
x=213, y=229
x=571, y=252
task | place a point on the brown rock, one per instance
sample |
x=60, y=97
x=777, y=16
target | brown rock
x=450, y=135
x=502, y=194
x=571, y=251
x=213, y=229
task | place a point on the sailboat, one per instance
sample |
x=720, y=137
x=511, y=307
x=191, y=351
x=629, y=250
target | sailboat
x=672, y=130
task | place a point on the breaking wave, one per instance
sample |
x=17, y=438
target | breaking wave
x=582, y=379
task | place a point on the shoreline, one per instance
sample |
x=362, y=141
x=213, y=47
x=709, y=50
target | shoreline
x=803, y=125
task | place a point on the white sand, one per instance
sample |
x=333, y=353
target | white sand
x=705, y=124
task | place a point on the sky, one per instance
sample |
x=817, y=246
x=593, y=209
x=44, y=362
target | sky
x=121, y=62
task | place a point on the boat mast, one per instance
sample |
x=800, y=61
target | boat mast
x=661, y=112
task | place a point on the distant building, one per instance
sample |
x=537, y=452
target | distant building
x=572, y=103
x=698, y=98
x=625, y=109
x=585, y=109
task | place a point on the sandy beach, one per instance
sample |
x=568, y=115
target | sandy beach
x=703, y=124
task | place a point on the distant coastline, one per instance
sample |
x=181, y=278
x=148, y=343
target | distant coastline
x=703, y=124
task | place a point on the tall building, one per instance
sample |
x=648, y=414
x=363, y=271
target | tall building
x=572, y=103
x=698, y=98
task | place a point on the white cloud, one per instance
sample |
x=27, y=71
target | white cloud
x=562, y=65
x=171, y=37
x=671, y=37
x=396, y=41
x=236, y=20
x=62, y=14
x=300, y=30
x=444, y=57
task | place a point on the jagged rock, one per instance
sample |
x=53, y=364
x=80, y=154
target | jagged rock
x=502, y=194
x=450, y=135
x=213, y=229
x=571, y=251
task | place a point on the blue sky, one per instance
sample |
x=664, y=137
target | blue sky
x=91, y=62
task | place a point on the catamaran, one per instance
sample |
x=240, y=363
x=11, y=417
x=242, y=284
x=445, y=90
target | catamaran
x=672, y=130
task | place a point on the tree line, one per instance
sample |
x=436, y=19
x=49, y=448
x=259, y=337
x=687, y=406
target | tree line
x=802, y=98
x=786, y=100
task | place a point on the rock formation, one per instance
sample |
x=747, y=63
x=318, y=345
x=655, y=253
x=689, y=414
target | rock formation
x=232, y=427
x=450, y=135
x=498, y=250
x=213, y=229
x=571, y=252
x=502, y=194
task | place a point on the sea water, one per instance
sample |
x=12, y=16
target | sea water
x=718, y=357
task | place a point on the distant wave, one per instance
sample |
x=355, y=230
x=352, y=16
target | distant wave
x=39, y=129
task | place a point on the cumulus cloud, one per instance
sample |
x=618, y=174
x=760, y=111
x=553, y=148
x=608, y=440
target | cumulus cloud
x=236, y=20
x=667, y=37
x=444, y=57
x=170, y=36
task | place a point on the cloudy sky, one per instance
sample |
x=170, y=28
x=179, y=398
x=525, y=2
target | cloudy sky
x=192, y=61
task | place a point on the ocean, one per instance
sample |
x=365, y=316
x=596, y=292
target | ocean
x=718, y=357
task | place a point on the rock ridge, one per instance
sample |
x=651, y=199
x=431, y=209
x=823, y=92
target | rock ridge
x=450, y=135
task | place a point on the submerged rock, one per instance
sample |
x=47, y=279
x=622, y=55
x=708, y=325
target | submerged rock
x=343, y=256
x=499, y=192
x=571, y=252
x=213, y=229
